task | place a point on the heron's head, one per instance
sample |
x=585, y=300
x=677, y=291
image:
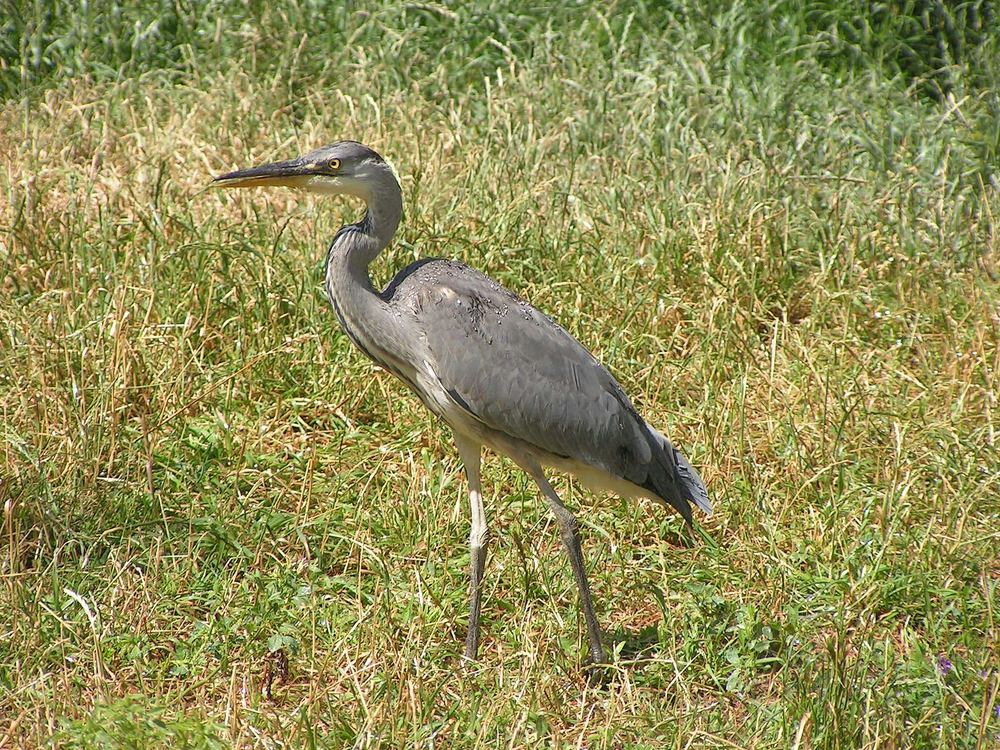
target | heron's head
x=345, y=167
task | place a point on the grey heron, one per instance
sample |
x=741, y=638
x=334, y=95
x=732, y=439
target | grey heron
x=494, y=368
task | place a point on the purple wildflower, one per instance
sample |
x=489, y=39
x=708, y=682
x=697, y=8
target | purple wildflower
x=944, y=665
x=996, y=710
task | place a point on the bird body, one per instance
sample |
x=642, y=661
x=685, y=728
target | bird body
x=494, y=368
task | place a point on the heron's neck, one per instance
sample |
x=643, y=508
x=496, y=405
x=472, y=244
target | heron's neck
x=363, y=314
x=357, y=245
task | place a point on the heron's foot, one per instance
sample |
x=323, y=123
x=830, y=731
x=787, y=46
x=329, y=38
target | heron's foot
x=469, y=661
x=471, y=653
x=597, y=671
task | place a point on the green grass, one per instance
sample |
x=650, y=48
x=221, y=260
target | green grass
x=775, y=224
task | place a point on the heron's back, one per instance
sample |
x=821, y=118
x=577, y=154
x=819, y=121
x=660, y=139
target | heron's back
x=492, y=358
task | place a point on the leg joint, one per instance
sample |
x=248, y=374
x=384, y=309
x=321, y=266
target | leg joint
x=567, y=521
x=479, y=537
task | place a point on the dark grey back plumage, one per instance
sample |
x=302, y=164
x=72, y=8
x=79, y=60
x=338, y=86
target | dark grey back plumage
x=518, y=372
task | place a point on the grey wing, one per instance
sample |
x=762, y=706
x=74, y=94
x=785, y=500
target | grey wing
x=519, y=373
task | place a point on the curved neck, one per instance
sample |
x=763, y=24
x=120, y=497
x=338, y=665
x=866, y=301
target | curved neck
x=363, y=314
x=376, y=229
x=355, y=246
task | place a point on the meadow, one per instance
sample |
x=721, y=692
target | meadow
x=775, y=222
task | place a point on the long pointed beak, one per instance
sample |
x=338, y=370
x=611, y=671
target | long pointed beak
x=287, y=173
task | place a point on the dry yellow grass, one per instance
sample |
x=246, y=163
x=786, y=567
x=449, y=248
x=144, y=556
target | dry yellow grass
x=199, y=472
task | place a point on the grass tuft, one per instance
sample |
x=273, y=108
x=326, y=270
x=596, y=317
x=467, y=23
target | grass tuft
x=221, y=526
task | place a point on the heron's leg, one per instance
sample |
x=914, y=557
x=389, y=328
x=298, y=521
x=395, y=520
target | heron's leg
x=470, y=453
x=569, y=530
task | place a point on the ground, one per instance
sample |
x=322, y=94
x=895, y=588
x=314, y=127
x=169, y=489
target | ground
x=222, y=526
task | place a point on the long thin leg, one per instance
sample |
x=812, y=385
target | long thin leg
x=470, y=452
x=569, y=530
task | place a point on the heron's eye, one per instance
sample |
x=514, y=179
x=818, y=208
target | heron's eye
x=334, y=164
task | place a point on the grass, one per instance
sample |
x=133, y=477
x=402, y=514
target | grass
x=779, y=236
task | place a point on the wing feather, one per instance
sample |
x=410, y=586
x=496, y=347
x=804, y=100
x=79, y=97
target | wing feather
x=517, y=372
x=520, y=373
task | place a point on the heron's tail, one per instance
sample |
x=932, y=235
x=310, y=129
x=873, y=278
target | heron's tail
x=675, y=480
